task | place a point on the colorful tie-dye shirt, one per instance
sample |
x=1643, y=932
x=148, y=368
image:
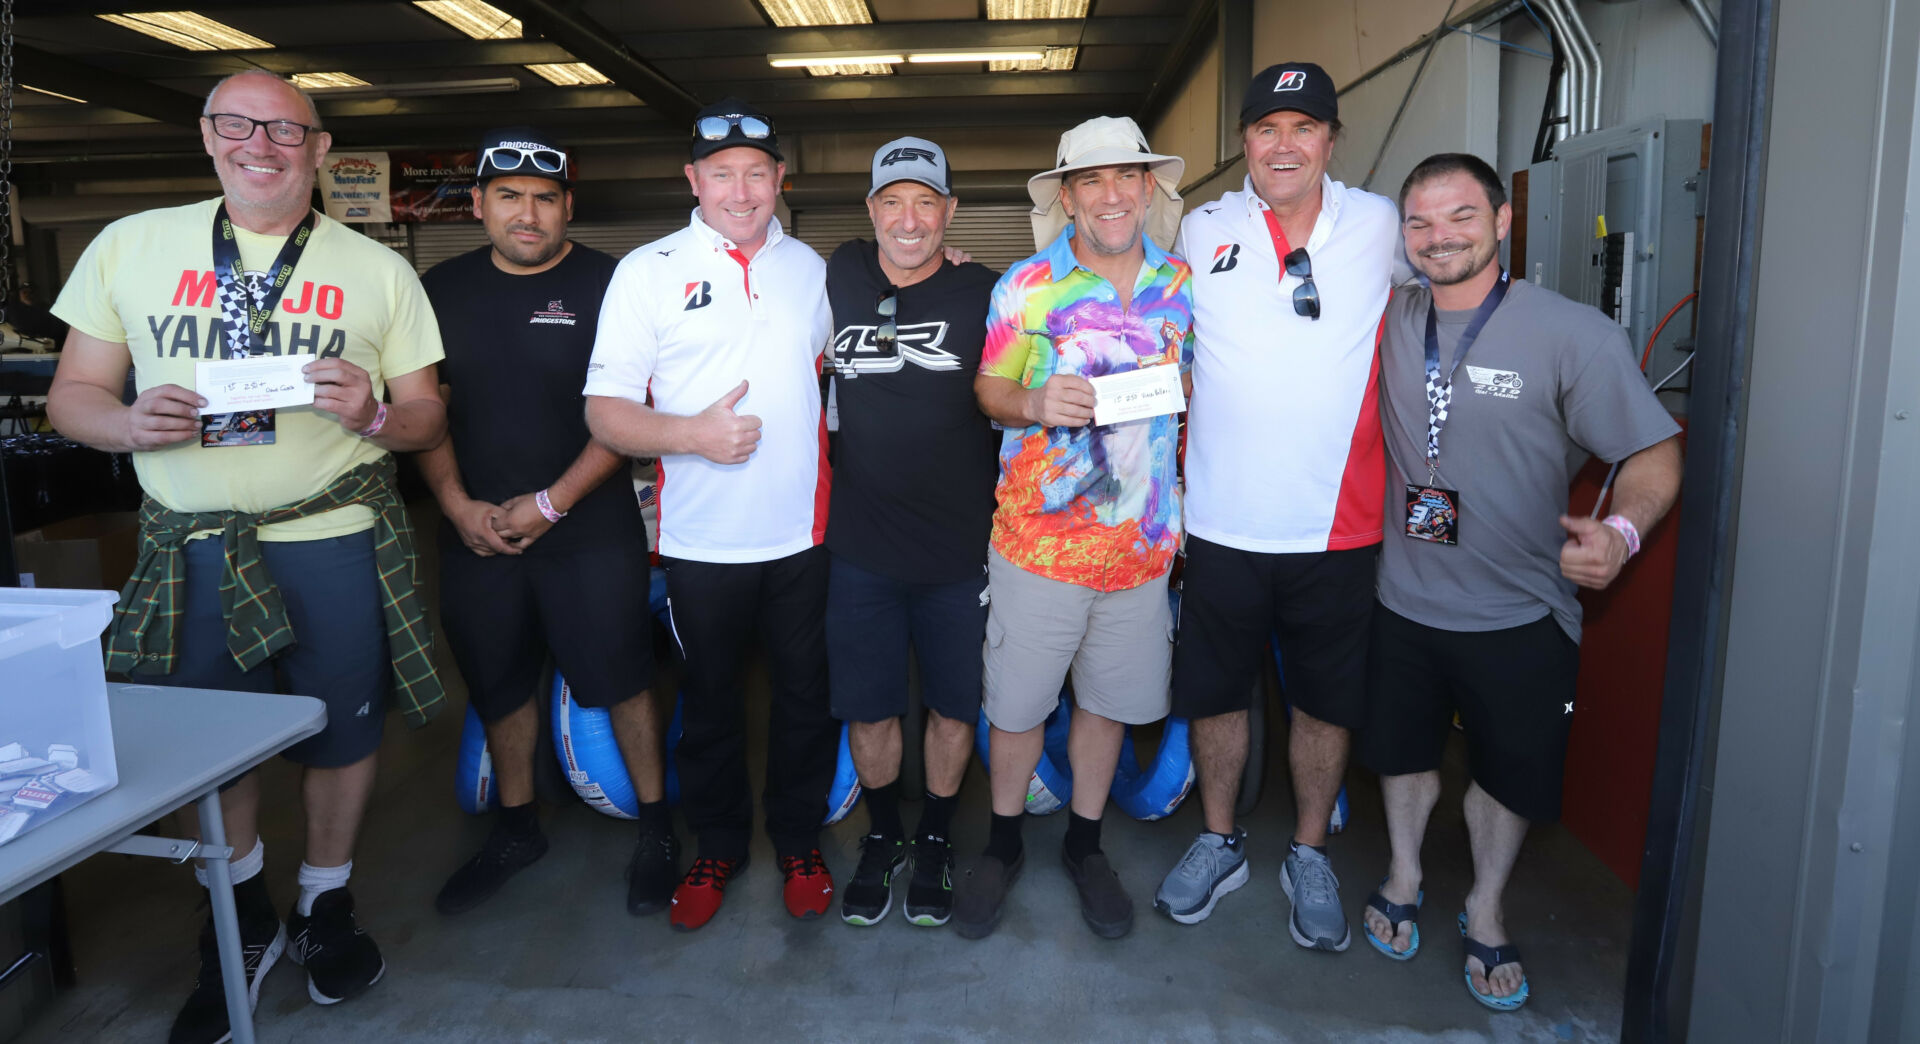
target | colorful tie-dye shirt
x=1097, y=506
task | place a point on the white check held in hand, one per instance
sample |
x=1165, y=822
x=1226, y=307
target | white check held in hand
x=263, y=382
x=1133, y=394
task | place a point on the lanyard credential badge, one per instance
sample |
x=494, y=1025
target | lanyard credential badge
x=245, y=307
x=1433, y=512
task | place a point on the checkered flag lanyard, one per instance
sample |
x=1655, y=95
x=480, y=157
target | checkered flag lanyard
x=1439, y=388
x=237, y=302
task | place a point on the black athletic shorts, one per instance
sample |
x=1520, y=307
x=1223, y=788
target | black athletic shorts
x=588, y=606
x=1318, y=605
x=1514, y=691
x=871, y=619
x=331, y=589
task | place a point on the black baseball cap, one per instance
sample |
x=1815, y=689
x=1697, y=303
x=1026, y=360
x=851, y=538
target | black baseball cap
x=1299, y=86
x=731, y=122
x=521, y=152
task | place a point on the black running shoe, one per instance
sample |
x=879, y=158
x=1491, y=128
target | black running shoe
x=203, y=1019
x=930, y=890
x=870, y=894
x=653, y=872
x=341, y=960
x=502, y=855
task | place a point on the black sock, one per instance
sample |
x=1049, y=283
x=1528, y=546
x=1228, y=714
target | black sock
x=1083, y=836
x=521, y=820
x=1322, y=849
x=653, y=816
x=936, y=816
x=1003, y=837
x=883, y=810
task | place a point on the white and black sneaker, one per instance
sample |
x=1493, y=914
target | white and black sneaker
x=869, y=895
x=203, y=1019
x=930, y=889
x=341, y=959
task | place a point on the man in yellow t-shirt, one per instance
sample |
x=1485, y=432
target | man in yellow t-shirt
x=149, y=294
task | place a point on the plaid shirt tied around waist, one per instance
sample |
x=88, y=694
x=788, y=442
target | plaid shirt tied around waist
x=142, y=634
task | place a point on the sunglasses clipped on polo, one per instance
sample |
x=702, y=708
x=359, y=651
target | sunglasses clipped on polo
x=717, y=128
x=888, y=308
x=509, y=157
x=1306, y=296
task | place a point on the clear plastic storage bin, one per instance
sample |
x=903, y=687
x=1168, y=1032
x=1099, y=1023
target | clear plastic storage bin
x=56, y=737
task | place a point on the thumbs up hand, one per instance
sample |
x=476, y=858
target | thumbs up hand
x=724, y=436
x=1593, y=553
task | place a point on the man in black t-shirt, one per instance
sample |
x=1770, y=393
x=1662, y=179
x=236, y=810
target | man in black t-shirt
x=543, y=549
x=914, y=471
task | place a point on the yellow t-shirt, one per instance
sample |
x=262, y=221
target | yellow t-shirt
x=148, y=281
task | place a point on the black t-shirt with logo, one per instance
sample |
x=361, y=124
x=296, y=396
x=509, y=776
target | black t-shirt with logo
x=517, y=349
x=916, y=461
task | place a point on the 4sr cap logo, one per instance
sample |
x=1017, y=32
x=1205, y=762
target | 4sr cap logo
x=1291, y=80
x=907, y=154
x=698, y=295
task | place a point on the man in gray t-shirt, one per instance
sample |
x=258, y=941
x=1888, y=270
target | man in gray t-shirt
x=1493, y=393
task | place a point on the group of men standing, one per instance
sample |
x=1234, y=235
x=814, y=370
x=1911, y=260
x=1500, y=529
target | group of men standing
x=1276, y=311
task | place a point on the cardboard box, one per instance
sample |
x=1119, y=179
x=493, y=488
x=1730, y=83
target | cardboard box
x=90, y=552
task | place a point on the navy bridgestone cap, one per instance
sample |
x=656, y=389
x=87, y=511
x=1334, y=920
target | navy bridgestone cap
x=529, y=140
x=1299, y=86
x=733, y=109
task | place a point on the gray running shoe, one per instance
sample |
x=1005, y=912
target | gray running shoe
x=1211, y=868
x=1318, y=922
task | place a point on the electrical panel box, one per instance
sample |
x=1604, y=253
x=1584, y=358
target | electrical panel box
x=1613, y=222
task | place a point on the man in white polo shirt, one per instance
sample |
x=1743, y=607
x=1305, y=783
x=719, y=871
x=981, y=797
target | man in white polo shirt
x=708, y=357
x=1284, y=483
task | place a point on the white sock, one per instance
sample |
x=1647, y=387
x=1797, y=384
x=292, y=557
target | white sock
x=317, y=879
x=243, y=868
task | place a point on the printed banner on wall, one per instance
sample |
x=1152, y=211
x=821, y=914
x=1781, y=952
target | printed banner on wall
x=353, y=186
x=433, y=186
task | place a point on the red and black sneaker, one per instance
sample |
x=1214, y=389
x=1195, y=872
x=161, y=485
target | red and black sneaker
x=809, y=888
x=700, y=892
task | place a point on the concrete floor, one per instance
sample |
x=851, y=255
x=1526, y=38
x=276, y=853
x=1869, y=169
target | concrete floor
x=555, y=957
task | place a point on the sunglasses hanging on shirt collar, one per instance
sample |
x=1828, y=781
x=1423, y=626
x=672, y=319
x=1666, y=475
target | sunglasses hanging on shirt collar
x=1306, y=296
x=716, y=128
x=888, y=307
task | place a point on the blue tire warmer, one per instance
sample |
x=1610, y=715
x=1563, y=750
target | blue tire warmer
x=1155, y=791
x=1051, y=786
x=473, y=785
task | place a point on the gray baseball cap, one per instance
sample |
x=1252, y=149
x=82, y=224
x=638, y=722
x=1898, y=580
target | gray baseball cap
x=911, y=159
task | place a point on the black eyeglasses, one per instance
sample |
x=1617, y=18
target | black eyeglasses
x=716, y=128
x=1306, y=296
x=239, y=128
x=508, y=157
x=888, y=306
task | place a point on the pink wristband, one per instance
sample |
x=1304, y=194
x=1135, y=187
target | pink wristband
x=1624, y=527
x=546, y=507
x=379, y=421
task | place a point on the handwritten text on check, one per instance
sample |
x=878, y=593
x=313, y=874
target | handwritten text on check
x=263, y=382
x=1134, y=394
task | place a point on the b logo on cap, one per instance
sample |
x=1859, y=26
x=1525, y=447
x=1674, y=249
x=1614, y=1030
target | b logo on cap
x=907, y=154
x=1291, y=80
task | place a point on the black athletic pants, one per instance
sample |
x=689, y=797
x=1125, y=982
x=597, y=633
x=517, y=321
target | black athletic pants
x=716, y=609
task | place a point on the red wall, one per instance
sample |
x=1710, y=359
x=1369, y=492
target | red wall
x=1616, y=722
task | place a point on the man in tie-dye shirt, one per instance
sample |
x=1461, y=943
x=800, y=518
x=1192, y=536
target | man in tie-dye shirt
x=1089, y=514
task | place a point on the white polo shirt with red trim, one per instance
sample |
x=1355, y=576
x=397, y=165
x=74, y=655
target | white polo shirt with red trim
x=685, y=320
x=1283, y=431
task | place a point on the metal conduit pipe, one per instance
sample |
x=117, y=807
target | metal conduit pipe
x=1709, y=24
x=1594, y=70
x=1573, y=81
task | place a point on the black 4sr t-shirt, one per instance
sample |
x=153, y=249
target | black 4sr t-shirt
x=517, y=349
x=915, y=462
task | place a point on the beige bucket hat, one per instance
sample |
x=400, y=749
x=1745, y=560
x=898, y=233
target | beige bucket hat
x=1105, y=141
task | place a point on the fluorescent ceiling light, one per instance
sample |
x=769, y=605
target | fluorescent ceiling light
x=791, y=13
x=185, y=29
x=54, y=94
x=570, y=74
x=1056, y=58
x=310, y=81
x=1010, y=54
x=425, y=88
x=810, y=59
x=481, y=21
